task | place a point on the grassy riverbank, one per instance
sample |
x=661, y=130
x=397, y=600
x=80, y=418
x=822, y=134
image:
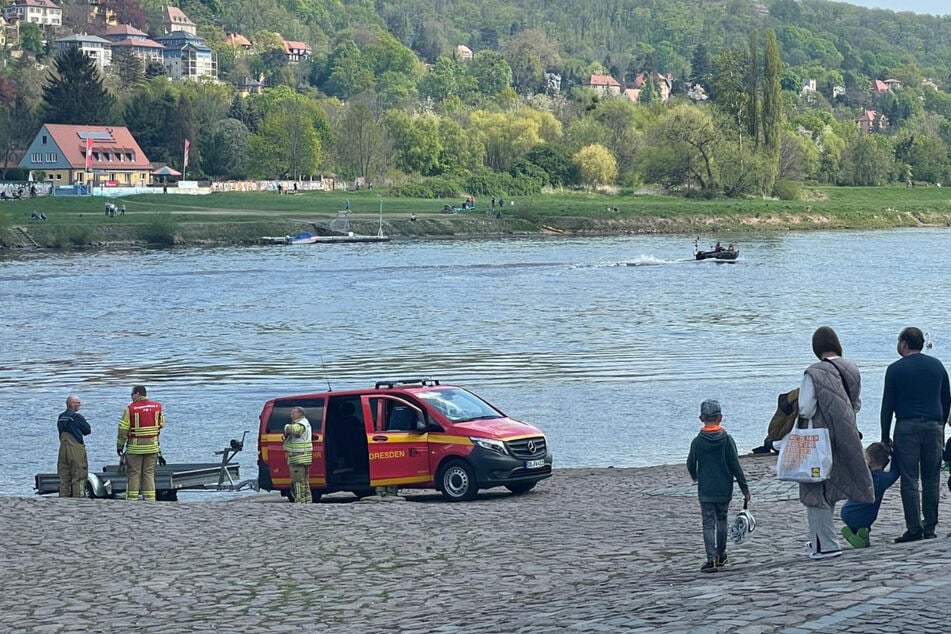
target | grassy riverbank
x=243, y=218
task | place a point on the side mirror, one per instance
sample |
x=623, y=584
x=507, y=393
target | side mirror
x=421, y=425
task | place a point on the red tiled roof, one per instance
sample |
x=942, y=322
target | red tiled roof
x=71, y=140
x=236, y=39
x=290, y=46
x=603, y=80
x=124, y=29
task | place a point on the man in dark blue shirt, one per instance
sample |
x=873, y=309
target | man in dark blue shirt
x=72, y=466
x=917, y=394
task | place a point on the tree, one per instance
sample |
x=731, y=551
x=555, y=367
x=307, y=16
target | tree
x=753, y=127
x=596, y=165
x=491, y=72
x=360, y=142
x=682, y=146
x=772, y=115
x=700, y=67
x=287, y=143
x=31, y=38
x=867, y=161
x=18, y=127
x=74, y=92
x=225, y=149
x=126, y=12
x=350, y=72
x=128, y=67
x=555, y=162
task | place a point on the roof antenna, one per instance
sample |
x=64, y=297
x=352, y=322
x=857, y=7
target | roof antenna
x=326, y=376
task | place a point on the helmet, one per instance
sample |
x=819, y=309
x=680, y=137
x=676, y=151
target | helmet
x=743, y=524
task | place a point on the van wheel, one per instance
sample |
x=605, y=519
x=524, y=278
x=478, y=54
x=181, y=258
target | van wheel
x=315, y=495
x=520, y=487
x=364, y=493
x=457, y=481
x=289, y=494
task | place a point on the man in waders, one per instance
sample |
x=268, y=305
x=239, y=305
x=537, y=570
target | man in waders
x=139, y=430
x=300, y=451
x=72, y=466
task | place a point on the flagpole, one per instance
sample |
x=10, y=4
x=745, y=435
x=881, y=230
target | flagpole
x=185, y=159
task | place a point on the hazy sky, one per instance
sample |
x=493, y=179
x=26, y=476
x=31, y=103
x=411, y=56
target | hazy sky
x=934, y=7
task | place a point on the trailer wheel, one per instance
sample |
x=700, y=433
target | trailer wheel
x=364, y=493
x=457, y=481
x=170, y=495
x=89, y=492
x=520, y=487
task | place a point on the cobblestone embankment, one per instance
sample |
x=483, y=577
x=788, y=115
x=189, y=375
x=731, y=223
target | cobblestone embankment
x=589, y=550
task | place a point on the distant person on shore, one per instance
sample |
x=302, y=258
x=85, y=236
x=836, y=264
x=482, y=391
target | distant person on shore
x=713, y=464
x=917, y=394
x=138, y=438
x=299, y=445
x=72, y=465
x=859, y=516
x=830, y=396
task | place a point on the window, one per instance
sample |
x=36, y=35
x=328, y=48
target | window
x=281, y=414
x=44, y=140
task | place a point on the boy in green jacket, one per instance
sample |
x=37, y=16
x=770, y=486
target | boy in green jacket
x=713, y=463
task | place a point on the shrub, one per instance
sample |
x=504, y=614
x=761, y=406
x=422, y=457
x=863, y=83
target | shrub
x=787, y=190
x=160, y=231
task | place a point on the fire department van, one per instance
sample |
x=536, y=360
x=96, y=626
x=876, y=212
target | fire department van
x=405, y=434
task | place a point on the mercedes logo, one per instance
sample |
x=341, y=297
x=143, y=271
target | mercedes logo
x=531, y=446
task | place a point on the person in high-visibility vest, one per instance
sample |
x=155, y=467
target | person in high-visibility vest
x=139, y=429
x=299, y=446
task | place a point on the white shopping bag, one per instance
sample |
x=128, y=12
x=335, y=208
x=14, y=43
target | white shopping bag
x=805, y=455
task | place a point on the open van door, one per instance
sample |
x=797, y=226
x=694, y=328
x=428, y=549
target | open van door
x=399, y=442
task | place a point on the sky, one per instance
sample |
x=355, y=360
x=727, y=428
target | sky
x=933, y=7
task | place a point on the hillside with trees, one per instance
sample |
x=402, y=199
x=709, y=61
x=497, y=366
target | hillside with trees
x=446, y=97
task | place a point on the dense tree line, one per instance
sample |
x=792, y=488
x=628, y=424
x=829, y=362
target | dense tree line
x=386, y=95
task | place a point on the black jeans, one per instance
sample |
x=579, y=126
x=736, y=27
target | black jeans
x=714, y=528
x=918, y=449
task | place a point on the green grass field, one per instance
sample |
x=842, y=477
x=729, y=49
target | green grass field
x=245, y=217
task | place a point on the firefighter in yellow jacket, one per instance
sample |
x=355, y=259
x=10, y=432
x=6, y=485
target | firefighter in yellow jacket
x=299, y=446
x=139, y=430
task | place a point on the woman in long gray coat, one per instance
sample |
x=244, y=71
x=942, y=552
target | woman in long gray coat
x=830, y=396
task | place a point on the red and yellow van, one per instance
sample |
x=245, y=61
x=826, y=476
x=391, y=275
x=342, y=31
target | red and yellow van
x=405, y=434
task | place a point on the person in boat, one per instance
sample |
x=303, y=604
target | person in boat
x=718, y=247
x=730, y=248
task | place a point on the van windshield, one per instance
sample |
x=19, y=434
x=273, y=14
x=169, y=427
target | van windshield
x=458, y=405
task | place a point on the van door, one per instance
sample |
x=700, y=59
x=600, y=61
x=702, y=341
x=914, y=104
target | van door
x=272, y=441
x=399, y=444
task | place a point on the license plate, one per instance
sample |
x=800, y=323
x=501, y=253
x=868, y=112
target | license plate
x=534, y=464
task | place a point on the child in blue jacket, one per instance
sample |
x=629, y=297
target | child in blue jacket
x=859, y=516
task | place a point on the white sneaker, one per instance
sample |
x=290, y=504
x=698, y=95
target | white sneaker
x=826, y=555
x=807, y=548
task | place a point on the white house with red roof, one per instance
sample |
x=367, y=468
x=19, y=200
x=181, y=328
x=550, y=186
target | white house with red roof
x=90, y=154
x=296, y=51
x=44, y=12
x=604, y=85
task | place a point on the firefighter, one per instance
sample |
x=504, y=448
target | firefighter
x=300, y=452
x=139, y=430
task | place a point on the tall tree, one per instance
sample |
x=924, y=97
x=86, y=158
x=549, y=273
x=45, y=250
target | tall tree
x=752, y=90
x=360, y=142
x=772, y=94
x=700, y=68
x=74, y=92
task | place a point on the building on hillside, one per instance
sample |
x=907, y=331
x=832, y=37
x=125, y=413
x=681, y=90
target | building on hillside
x=664, y=84
x=239, y=43
x=603, y=85
x=871, y=121
x=893, y=84
x=186, y=56
x=114, y=158
x=552, y=83
x=174, y=19
x=633, y=94
x=808, y=86
x=463, y=53
x=43, y=12
x=879, y=87
x=296, y=52
x=3, y=32
x=249, y=86
x=96, y=48
x=126, y=39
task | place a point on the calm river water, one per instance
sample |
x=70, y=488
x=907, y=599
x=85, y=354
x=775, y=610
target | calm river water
x=608, y=344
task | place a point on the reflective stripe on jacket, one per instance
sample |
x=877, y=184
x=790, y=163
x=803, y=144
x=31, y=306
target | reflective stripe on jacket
x=139, y=427
x=298, y=442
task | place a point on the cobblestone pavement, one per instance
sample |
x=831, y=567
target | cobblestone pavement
x=589, y=550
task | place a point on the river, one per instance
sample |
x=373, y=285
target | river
x=607, y=344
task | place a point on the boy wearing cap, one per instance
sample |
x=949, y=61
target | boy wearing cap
x=714, y=463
